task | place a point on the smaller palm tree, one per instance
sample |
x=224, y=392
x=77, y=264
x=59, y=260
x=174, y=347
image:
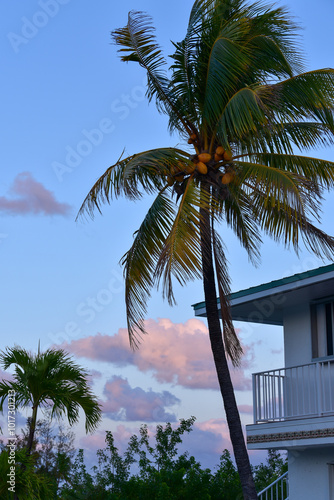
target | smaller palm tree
x=48, y=379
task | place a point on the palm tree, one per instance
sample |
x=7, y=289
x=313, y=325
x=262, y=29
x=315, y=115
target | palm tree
x=237, y=92
x=48, y=379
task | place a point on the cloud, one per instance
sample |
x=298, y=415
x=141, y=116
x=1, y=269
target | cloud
x=134, y=404
x=173, y=353
x=247, y=409
x=27, y=196
x=92, y=376
x=6, y=376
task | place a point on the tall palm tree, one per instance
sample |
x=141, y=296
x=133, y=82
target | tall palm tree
x=48, y=379
x=238, y=94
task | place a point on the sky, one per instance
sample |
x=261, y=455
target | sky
x=69, y=107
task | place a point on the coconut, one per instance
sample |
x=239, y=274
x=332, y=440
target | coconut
x=193, y=137
x=201, y=168
x=220, y=151
x=227, y=156
x=227, y=178
x=218, y=157
x=204, y=157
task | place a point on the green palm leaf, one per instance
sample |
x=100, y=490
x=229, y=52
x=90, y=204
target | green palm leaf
x=180, y=256
x=144, y=172
x=141, y=260
x=313, y=169
x=138, y=43
x=49, y=379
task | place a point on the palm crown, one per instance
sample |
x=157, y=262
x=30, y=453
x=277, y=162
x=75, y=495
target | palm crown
x=237, y=93
x=49, y=379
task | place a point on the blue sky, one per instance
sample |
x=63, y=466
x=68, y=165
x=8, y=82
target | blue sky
x=69, y=107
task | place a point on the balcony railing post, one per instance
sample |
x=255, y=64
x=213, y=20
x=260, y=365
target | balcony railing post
x=319, y=388
x=254, y=397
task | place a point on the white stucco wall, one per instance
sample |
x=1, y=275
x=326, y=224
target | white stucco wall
x=297, y=335
x=309, y=474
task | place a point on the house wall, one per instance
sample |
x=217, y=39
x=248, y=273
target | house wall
x=310, y=474
x=297, y=335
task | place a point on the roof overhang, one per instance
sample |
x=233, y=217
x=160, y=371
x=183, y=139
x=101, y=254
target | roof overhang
x=265, y=303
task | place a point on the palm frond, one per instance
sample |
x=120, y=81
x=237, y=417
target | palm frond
x=313, y=169
x=243, y=114
x=238, y=215
x=276, y=24
x=141, y=260
x=138, y=43
x=287, y=225
x=227, y=62
x=184, y=67
x=308, y=135
x=180, y=256
x=268, y=57
x=130, y=177
x=281, y=185
x=308, y=95
x=279, y=137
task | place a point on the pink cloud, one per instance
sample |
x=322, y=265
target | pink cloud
x=94, y=441
x=207, y=442
x=92, y=376
x=134, y=404
x=173, y=353
x=248, y=409
x=6, y=376
x=27, y=196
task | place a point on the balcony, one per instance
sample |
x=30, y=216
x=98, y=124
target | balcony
x=288, y=403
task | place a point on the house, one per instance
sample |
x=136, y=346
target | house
x=294, y=405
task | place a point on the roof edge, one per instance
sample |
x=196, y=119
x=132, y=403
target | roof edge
x=273, y=284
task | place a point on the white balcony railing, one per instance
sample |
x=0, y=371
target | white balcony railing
x=296, y=392
x=278, y=490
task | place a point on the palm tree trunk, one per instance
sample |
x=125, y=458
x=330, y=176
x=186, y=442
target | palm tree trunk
x=219, y=355
x=32, y=428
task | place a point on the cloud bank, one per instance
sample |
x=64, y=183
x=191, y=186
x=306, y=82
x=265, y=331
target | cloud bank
x=172, y=353
x=134, y=404
x=27, y=196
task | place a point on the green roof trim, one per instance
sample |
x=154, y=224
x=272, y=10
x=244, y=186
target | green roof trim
x=274, y=284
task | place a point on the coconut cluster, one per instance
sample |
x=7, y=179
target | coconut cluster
x=201, y=163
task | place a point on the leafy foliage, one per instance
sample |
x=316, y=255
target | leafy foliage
x=49, y=467
x=160, y=472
